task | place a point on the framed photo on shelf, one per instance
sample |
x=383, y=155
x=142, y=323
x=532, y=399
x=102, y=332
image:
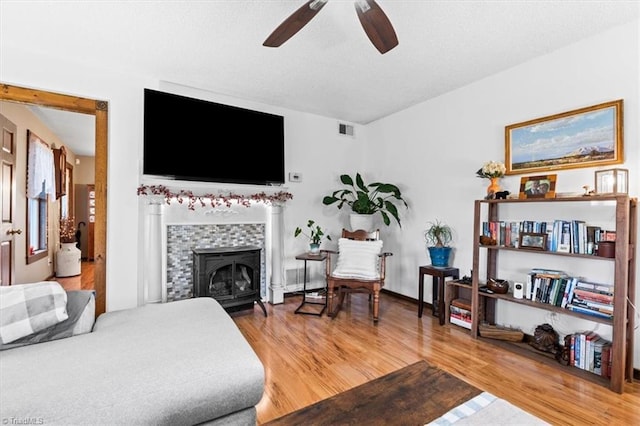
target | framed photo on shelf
x=542, y=186
x=533, y=241
x=585, y=137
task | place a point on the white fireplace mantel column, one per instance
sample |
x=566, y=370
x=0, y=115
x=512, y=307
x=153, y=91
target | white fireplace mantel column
x=153, y=284
x=276, y=287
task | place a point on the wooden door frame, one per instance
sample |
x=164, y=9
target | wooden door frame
x=99, y=109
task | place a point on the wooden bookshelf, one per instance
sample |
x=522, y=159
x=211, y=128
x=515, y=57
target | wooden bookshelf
x=483, y=304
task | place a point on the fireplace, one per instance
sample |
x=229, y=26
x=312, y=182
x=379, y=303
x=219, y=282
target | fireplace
x=172, y=231
x=231, y=275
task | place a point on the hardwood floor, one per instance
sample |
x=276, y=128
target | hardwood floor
x=309, y=358
x=84, y=281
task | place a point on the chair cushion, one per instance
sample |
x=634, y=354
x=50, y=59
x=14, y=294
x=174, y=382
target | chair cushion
x=358, y=259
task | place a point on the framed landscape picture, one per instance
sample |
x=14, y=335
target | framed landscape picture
x=586, y=137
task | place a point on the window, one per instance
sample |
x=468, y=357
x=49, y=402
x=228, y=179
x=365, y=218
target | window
x=37, y=227
x=40, y=184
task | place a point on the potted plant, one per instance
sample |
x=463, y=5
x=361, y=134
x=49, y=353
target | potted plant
x=367, y=199
x=315, y=235
x=438, y=237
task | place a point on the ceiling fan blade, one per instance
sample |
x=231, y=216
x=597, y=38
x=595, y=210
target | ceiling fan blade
x=376, y=25
x=294, y=23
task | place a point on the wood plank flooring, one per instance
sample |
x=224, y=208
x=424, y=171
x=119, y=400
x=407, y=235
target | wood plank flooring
x=84, y=281
x=309, y=358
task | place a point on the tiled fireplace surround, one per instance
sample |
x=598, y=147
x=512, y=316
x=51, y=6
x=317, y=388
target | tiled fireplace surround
x=172, y=231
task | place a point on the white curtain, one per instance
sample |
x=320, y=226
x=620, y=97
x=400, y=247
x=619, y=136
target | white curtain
x=40, y=170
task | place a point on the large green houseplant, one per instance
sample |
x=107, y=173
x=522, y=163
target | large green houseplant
x=368, y=199
x=438, y=237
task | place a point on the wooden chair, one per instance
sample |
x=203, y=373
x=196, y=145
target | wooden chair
x=342, y=286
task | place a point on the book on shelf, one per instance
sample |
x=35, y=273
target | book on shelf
x=460, y=316
x=607, y=235
x=607, y=288
x=462, y=303
x=593, y=238
x=564, y=245
x=515, y=234
x=598, y=346
x=572, y=349
x=542, y=285
x=588, y=311
x=600, y=307
x=592, y=296
x=578, y=236
x=568, y=292
x=590, y=337
x=560, y=291
x=605, y=363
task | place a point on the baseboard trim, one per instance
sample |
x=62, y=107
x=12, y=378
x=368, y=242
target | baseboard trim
x=403, y=297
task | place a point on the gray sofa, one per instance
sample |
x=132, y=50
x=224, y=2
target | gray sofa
x=177, y=363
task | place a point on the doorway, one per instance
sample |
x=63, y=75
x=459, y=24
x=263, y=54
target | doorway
x=99, y=109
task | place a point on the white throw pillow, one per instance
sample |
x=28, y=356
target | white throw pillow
x=358, y=259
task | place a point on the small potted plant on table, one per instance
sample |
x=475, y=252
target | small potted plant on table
x=314, y=234
x=438, y=237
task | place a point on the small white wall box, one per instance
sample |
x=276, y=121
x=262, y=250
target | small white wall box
x=612, y=181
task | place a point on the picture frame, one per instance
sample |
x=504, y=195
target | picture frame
x=585, y=137
x=541, y=186
x=533, y=241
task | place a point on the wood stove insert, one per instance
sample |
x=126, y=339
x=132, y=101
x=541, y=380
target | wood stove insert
x=231, y=275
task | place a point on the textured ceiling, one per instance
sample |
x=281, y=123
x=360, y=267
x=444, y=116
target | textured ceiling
x=330, y=67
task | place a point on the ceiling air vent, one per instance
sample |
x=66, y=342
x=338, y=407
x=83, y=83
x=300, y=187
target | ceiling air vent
x=345, y=129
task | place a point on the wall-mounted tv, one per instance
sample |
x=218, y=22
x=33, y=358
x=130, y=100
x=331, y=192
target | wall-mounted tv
x=197, y=140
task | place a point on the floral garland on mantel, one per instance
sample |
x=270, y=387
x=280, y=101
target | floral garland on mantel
x=215, y=200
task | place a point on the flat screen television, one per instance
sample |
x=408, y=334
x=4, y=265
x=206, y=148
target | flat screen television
x=197, y=140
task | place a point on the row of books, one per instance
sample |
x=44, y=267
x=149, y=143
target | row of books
x=563, y=236
x=574, y=293
x=460, y=313
x=590, y=352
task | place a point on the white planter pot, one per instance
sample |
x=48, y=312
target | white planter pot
x=361, y=221
x=68, y=260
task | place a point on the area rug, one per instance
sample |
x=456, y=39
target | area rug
x=414, y=395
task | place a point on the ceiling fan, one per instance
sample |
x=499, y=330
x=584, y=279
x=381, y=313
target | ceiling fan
x=374, y=21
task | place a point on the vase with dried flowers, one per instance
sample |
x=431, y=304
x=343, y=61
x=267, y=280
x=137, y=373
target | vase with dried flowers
x=67, y=230
x=492, y=170
x=68, y=257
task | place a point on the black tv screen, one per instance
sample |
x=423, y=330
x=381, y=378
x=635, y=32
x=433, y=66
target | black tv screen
x=197, y=140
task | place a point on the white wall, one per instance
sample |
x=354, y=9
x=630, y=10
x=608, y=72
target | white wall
x=432, y=150
x=435, y=148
